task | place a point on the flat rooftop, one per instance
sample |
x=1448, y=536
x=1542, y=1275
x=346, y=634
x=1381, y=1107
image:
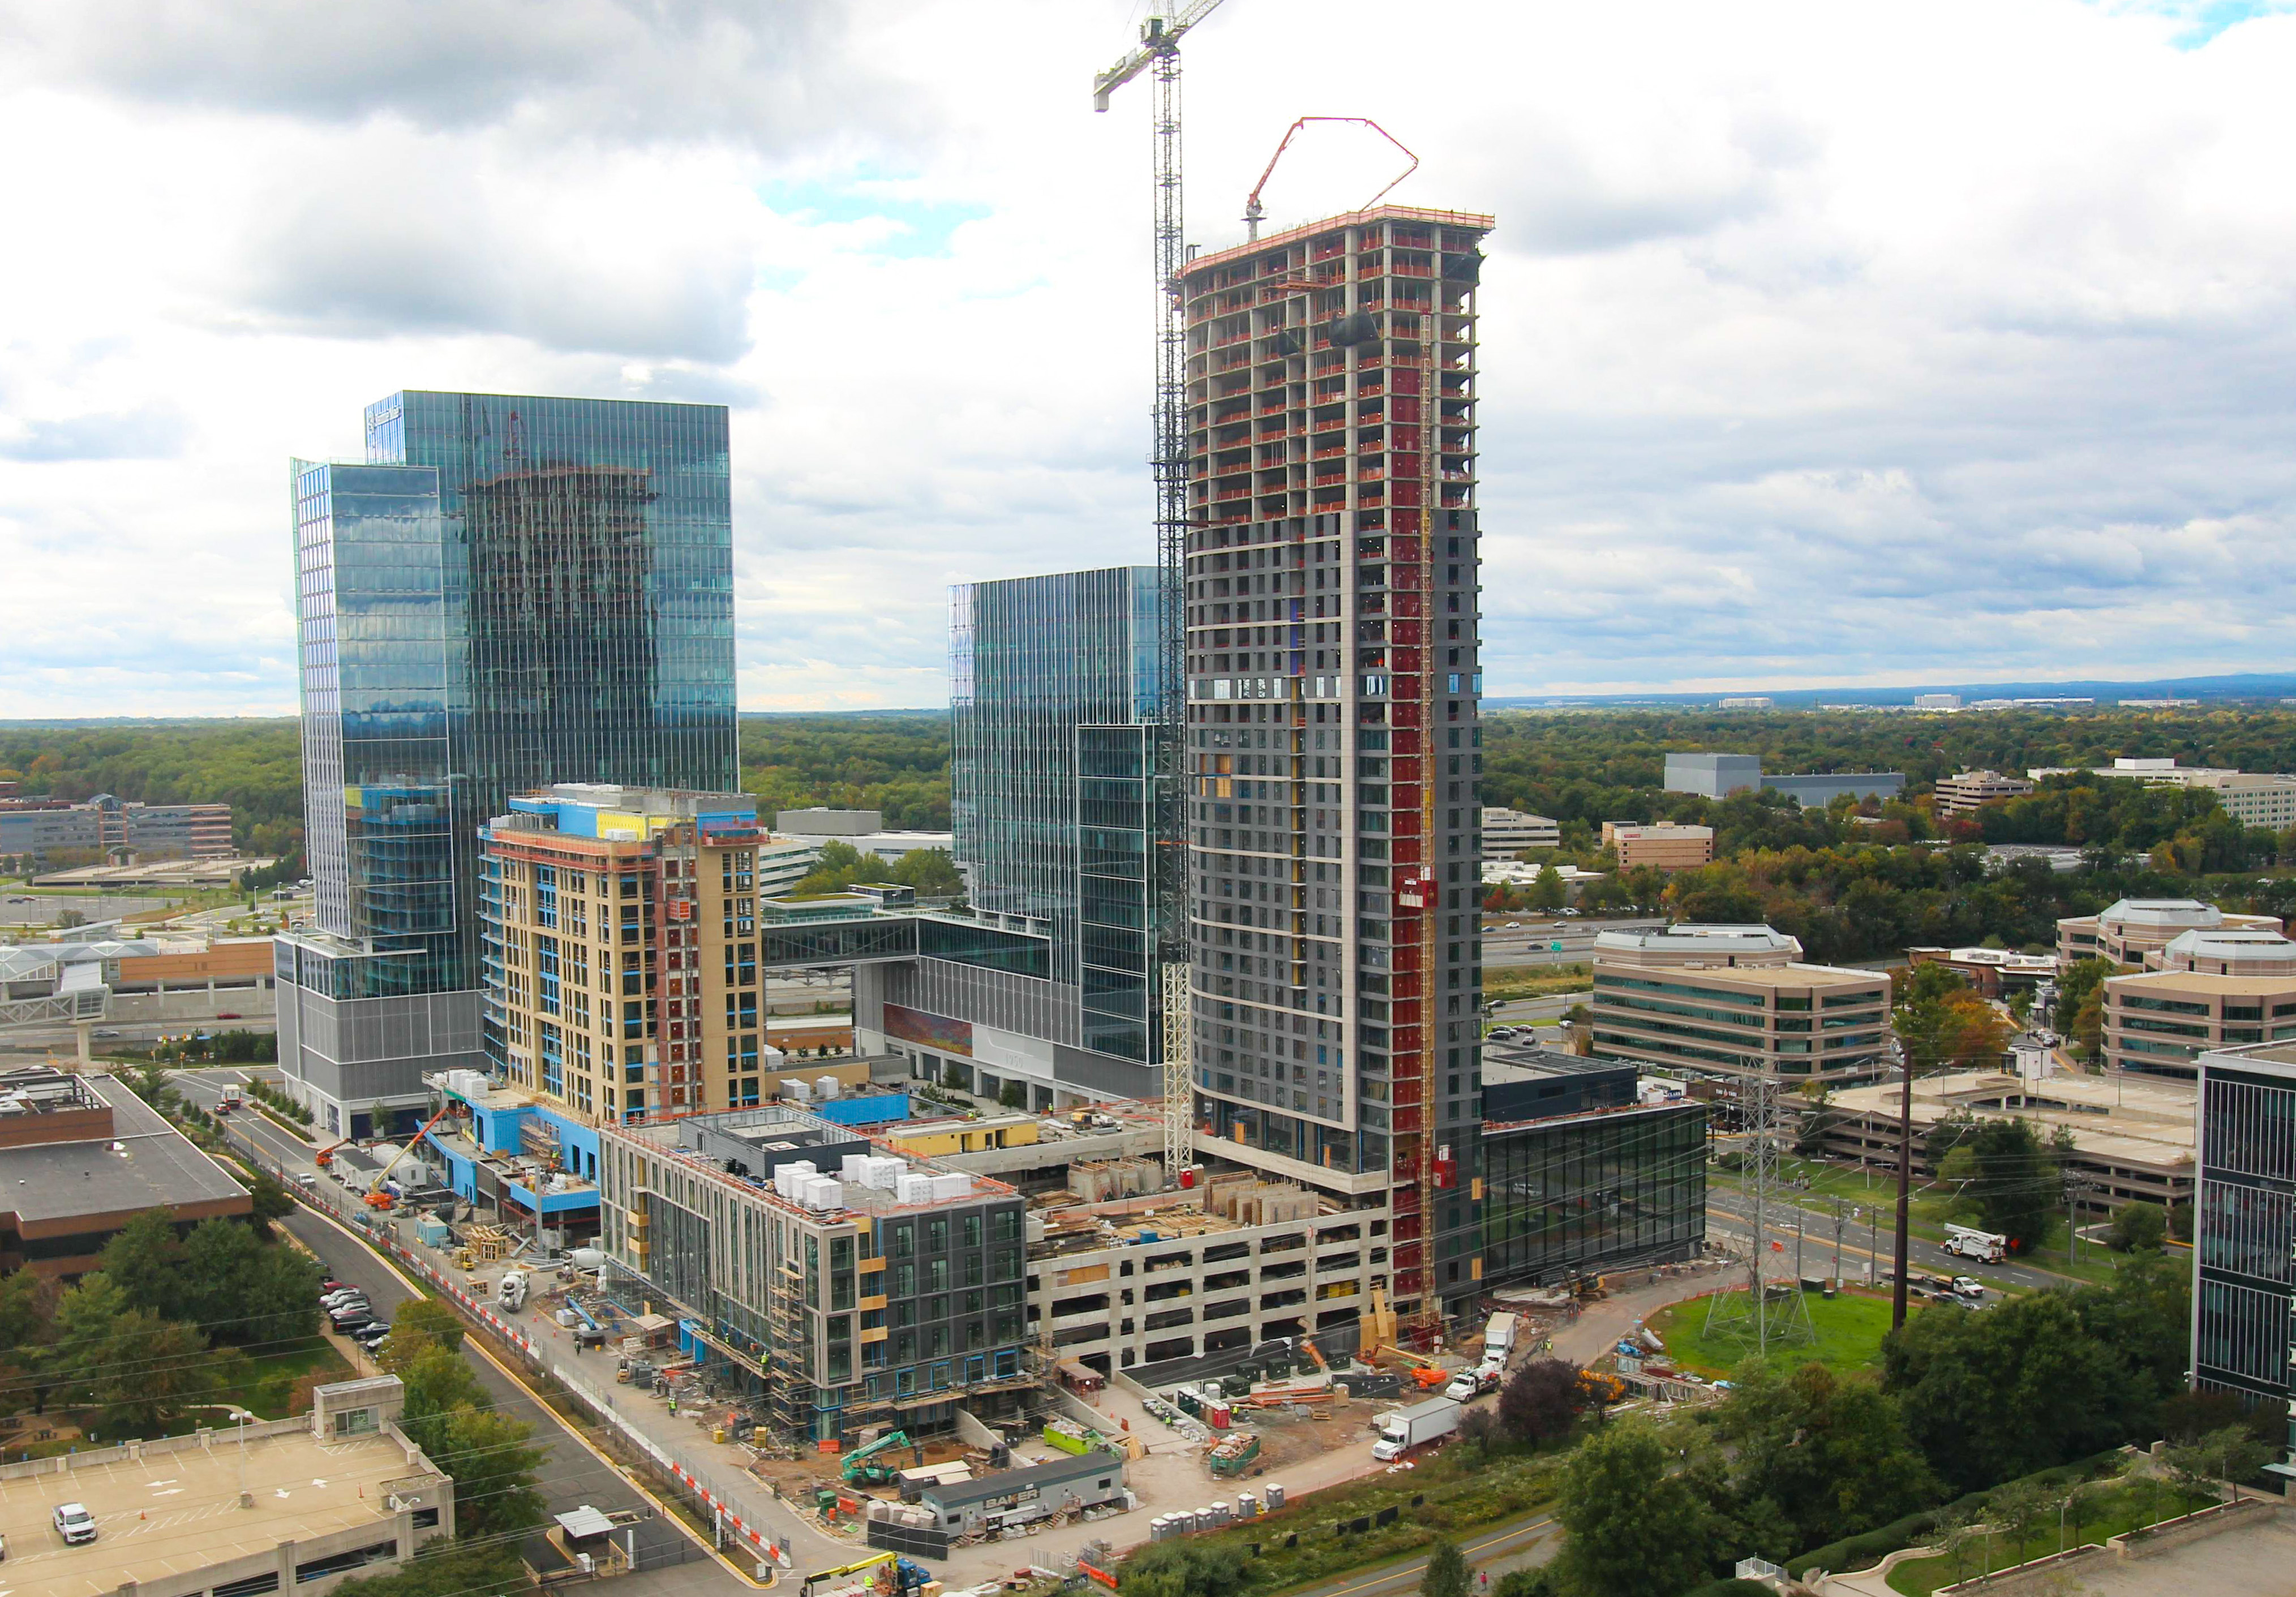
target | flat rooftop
x=2139, y=1122
x=145, y=1163
x=176, y=1513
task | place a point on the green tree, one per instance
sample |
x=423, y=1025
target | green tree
x=2137, y=1227
x=1989, y=1397
x=271, y=1199
x=143, y=1260
x=441, y=1568
x=2230, y=1453
x=2076, y=985
x=1546, y=889
x=147, y=1373
x=1542, y=1400
x=1445, y=1575
x=931, y=871
x=1831, y=1452
x=493, y=1467
x=2003, y=1171
x=1182, y=1570
x=2019, y=1511
x=420, y=1325
x=448, y=1415
x=1636, y=1529
x=1013, y=1094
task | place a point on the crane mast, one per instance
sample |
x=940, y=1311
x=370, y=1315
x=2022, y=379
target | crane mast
x=1158, y=53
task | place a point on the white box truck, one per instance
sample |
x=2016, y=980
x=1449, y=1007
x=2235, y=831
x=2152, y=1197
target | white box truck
x=1402, y=1429
x=1498, y=1339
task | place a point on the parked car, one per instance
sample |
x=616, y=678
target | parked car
x=74, y=1523
x=331, y=1285
x=349, y=1319
x=341, y=1295
x=370, y=1336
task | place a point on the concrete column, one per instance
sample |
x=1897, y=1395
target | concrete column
x=81, y=1030
x=287, y=1566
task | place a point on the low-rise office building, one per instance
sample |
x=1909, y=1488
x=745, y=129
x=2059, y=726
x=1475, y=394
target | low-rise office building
x=1719, y=776
x=2131, y=1140
x=35, y=829
x=2134, y=927
x=2242, y=1218
x=1507, y=833
x=2206, y=990
x=1583, y=1170
x=861, y=829
x=1972, y=790
x=80, y=1157
x=296, y=1505
x=1668, y=848
x=1726, y=1003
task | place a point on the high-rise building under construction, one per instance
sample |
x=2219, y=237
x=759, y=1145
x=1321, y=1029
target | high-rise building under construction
x=1333, y=750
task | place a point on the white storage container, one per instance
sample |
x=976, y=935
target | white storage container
x=914, y=1189
x=958, y=1185
x=825, y=1087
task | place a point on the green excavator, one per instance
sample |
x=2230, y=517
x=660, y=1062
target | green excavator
x=861, y=1468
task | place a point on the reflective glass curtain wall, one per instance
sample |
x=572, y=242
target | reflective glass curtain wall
x=1577, y=1193
x=1052, y=727
x=513, y=591
x=2244, y=1226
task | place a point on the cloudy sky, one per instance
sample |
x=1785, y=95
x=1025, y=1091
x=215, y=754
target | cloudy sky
x=1825, y=343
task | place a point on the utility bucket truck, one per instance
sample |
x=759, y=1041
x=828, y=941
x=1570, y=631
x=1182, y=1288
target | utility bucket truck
x=1966, y=1241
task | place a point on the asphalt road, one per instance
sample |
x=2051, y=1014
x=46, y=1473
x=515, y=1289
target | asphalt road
x=570, y=1475
x=1730, y=1217
x=1499, y=1544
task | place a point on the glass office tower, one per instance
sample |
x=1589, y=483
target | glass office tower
x=1052, y=697
x=510, y=591
x=2244, y=1231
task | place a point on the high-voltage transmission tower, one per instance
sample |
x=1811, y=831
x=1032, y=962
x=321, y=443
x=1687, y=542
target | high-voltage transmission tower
x=1158, y=53
x=1765, y=1317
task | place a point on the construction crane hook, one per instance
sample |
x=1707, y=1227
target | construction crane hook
x=1254, y=214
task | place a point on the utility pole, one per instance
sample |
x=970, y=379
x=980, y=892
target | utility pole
x=1837, y=1242
x=1905, y=1184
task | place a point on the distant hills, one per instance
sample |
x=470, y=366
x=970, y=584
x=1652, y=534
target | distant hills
x=2246, y=687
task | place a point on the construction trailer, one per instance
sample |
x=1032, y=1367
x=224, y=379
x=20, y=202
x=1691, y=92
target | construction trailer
x=1092, y=1479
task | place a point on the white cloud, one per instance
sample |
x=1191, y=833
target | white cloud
x=1906, y=341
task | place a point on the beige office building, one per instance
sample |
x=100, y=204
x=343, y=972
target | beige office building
x=1668, y=848
x=1962, y=794
x=1726, y=1003
x=2207, y=990
x=2134, y=927
x=1507, y=833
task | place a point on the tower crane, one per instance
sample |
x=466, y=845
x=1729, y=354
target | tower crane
x=1159, y=54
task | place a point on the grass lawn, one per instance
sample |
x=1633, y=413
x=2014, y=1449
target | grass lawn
x=1450, y=1493
x=1533, y=981
x=1850, y=1331
x=2105, y=1512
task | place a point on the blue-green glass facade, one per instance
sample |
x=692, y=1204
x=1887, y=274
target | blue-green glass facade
x=1054, y=703
x=512, y=591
